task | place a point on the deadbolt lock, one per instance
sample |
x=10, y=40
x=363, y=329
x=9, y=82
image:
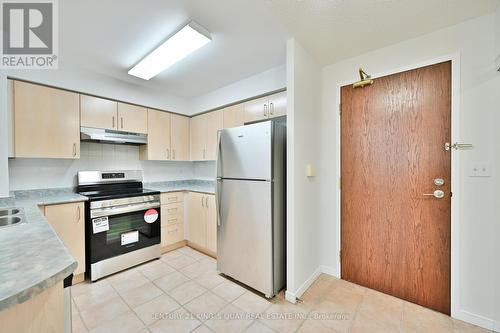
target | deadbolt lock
x=439, y=181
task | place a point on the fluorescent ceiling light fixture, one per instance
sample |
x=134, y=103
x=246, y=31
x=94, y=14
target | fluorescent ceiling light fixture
x=184, y=42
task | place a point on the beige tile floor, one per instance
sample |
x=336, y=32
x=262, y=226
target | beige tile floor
x=182, y=292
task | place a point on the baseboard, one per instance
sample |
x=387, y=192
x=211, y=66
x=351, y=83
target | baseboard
x=202, y=250
x=329, y=270
x=174, y=246
x=292, y=296
x=478, y=320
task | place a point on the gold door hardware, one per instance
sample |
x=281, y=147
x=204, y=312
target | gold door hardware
x=457, y=146
x=365, y=80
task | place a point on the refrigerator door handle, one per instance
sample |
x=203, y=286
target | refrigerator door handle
x=217, y=158
x=218, y=192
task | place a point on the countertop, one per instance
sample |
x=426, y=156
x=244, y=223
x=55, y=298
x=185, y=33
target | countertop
x=32, y=257
x=196, y=185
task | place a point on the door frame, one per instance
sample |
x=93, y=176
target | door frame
x=455, y=170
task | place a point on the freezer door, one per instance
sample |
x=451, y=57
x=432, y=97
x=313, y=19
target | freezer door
x=244, y=233
x=245, y=152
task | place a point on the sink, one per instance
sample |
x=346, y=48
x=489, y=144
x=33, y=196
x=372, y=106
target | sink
x=10, y=211
x=11, y=217
x=9, y=220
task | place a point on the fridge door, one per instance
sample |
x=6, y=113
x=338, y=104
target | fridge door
x=245, y=152
x=244, y=233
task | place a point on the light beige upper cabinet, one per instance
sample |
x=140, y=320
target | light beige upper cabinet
x=46, y=122
x=204, y=129
x=211, y=223
x=158, y=147
x=98, y=112
x=266, y=107
x=277, y=105
x=197, y=222
x=132, y=118
x=234, y=116
x=214, y=124
x=179, y=137
x=256, y=109
x=68, y=221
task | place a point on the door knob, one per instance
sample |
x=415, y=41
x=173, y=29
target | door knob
x=436, y=194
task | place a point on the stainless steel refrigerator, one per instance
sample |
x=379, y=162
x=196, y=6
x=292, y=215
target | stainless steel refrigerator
x=251, y=205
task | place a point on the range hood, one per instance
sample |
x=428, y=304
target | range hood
x=112, y=136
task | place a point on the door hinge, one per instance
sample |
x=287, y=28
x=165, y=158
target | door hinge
x=340, y=255
x=340, y=183
x=340, y=109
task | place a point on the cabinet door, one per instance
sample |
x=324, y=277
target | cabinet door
x=197, y=219
x=234, y=116
x=158, y=147
x=180, y=138
x=214, y=123
x=68, y=221
x=197, y=137
x=256, y=109
x=46, y=122
x=132, y=118
x=277, y=105
x=211, y=223
x=98, y=112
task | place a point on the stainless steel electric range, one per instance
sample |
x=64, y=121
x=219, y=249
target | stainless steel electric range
x=122, y=221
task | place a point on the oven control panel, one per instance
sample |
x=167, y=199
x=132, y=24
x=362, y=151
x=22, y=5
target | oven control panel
x=113, y=175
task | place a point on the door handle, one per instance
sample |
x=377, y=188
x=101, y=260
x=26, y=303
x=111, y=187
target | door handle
x=271, y=109
x=218, y=193
x=206, y=201
x=265, y=110
x=202, y=204
x=78, y=210
x=439, y=194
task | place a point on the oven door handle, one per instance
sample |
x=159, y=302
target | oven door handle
x=123, y=209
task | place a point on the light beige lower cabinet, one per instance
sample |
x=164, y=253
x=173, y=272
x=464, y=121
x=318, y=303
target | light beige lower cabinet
x=68, y=221
x=172, y=218
x=44, y=313
x=202, y=222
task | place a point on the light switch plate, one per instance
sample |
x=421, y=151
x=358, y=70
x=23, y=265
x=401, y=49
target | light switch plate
x=480, y=170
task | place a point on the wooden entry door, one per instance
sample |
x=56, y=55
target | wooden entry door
x=395, y=239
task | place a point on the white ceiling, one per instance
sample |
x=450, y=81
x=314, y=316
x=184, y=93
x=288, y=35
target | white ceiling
x=249, y=36
x=110, y=36
x=332, y=30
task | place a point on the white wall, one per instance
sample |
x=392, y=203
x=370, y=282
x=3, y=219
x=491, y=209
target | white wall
x=479, y=118
x=303, y=232
x=26, y=173
x=270, y=80
x=101, y=85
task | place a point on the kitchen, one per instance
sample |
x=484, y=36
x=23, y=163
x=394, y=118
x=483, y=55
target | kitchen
x=179, y=168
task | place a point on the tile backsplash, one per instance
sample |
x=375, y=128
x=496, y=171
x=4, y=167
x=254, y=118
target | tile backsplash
x=30, y=173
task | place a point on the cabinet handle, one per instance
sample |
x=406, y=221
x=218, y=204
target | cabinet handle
x=265, y=110
x=170, y=221
x=173, y=154
x=204, y=153
x=113, y=122
x=168, y=154
x=206, y=201
x=78, y=211
x=171, y=231
x=271, y=108
x=202, y=205
x=74, y=149
x=121, y=119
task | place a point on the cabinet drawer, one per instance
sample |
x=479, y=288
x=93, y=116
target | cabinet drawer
x=173, y=208
x=172, y=234
x=167, y=198
x=171, y=219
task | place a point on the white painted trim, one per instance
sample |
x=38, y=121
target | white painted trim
x=455, y=222
x=290, y=197
x=478, y=320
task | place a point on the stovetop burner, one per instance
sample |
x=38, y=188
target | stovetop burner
x=98, y=185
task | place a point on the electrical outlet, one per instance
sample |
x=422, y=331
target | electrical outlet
x=480, y=170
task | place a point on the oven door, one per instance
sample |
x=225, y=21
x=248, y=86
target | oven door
x=118, y=230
